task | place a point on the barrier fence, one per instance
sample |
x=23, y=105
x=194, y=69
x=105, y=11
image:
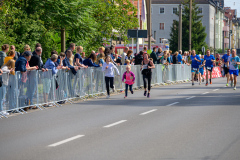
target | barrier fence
x=39, y=89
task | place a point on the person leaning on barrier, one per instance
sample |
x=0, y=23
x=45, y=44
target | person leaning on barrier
x=117, y=60
x=153, y=55
x=139, y=58
x=175, y=58
x=3, y=53
x=22, y=64
x=90, y=61
x=66, y=63
x=36, y=59
x=78, y=61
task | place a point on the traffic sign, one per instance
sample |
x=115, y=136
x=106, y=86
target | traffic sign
x=134, y=33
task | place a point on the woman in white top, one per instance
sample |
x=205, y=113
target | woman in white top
x=108, y=67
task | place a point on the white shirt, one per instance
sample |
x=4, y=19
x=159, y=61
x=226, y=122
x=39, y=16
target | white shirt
x=123, y=58
x=109, y=72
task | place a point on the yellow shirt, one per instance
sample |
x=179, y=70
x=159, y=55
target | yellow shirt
x=7, y=59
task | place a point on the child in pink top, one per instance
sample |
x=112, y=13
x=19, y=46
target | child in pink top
x=130, y=79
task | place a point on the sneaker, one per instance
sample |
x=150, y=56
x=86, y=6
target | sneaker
x=203, y=80
x=227, y=84
x=210, y=82
x=132, y=92
x=125, y=97
x=234, y=88
x=206, y=84
x=145, y=93
x=192, y=84
x=108, y=96
x=231, y=83
x=148, y=95
x=113, y=89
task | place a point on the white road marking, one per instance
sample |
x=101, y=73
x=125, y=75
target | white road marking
x=148, y=112
x=114, y=124
x=191, y=97
x=215, y=90
x=173, y=104
x=206, y=93
x=65, y=141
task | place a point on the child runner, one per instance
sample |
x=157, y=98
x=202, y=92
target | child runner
x=108, y=67
x=201, y=70
x=130, y=79
x=234, y=61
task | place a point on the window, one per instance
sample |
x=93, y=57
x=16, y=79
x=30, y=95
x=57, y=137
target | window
x=174, y=10
x=161, y=10
x=200, y=10
x=161, y=40
x=161, y=26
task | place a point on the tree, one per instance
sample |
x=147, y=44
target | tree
x=198, y=31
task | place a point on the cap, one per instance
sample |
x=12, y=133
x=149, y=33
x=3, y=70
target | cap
x=27, y=53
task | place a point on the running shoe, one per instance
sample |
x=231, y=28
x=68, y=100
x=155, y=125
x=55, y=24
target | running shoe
x=206, y=84
x=132, y=92
x=113, y=89
x=145, y=93
x=227, y=84
x=210, y=82
x=148, y=95
x=125, y=97
x=234, y=88
x=108, y=96
x=192, y=84
x=203, y=80
x=231, y=83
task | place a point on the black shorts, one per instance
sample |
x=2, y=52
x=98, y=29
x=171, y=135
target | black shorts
x=209, y=68
x=226, y=70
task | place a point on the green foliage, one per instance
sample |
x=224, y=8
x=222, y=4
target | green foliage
x=89, y=23
x=198, y=31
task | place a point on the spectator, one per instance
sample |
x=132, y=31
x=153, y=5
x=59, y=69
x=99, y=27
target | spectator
x=127, y=62
x=185, y=57
x=58, y=60
x=139, y=58
x=3, y=53
x=165, y=60
x=62, y=56
x=144, y=49
x=50, y=64
x=71, y=47
x=8, y=68
x=124, y=55
x=17, y=54
x=175, y=58
x=100, y=59
x=117, y=60
x=112, y=49
x=153, y=55
x=90, y=61
x=180, y=59
x=11, y=55
x=83, y=55
x=108, y=52
x=27, y=48
x=159, y=54
x=129, y=56
x=67, y=63
x=36, y=60
x=36, y=46
x=22, y=63
x=78, y=61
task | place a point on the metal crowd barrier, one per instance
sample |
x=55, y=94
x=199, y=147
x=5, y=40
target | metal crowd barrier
x=39, y=89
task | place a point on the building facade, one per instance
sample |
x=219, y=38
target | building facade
x=163, y=17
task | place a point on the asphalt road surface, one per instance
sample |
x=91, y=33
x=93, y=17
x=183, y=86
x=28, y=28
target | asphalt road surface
x=178, y=122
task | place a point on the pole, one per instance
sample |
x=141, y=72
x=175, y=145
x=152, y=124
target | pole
x=214, y=48
x=132, y=45
x=137, y=43
x=63, y=40
x=138, y=16
x=190, y=25
x=180, y=28
x=223, y=49
x=149, y=22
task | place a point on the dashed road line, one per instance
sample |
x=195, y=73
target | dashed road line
x=173, y=104
x=114, y=124
x=215, y=90
x=191, y=97
x=148, y=112
x=206, y=93
x=65, y=141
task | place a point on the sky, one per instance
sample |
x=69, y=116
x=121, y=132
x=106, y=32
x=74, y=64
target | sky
x=234, y=4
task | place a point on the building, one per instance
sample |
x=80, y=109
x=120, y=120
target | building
x=163, y=15
x=220, y=3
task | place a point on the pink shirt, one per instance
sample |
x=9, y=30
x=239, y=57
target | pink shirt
x=129, y=79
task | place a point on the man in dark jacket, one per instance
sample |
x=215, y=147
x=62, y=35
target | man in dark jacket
x=20, y=64
x=139, y=58
x=71, y=47
x=36, y=59
x=153, y=55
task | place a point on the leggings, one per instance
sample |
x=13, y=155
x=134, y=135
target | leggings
x=149, y=78
x=126, y=88
x=109, y=80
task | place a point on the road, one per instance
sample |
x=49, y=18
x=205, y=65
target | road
x=178, y=122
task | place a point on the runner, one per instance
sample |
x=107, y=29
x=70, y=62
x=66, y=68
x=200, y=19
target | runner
x=195, y=60
x=108, y=67
x=225, y=64
x=233, y=62
x=130, y=80
x=146, y=67
x=208, y=62
x=201, y=70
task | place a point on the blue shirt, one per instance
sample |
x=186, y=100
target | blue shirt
x=51, y=65
x=179, y=58
x=200, y=63
x=20, y=64
x=195, y=64
x=208, y=59
x=77, y=55
x=88, y=62
x=232, y=62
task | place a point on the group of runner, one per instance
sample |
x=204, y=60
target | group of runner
x=230, y=66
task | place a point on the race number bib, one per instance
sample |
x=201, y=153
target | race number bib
x=195, y=69
x=209, y=68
